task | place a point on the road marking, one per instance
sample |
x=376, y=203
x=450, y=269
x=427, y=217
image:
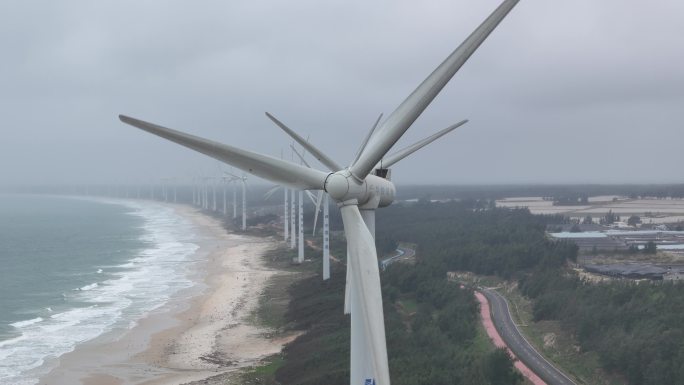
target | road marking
x=536, y=354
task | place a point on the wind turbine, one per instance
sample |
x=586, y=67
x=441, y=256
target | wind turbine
x=164, y=187
x=242, y=179
x=287, y=217
x=195, y=192
x=359, y=190
x=389, y=162
x=204, y=196
x=293, y=226
x=230, y=178
x=326, y=223
x=286, y=210
x=212, y=181
x=285, y=224
x=225, y=180
x=299, y=239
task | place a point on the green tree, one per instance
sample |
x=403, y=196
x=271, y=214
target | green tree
x=650, y=248
x=609, y=218
x=633, y=220
x=499, y=369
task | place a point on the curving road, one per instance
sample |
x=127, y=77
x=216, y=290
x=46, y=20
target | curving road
x=503, y=321
x=402, y=253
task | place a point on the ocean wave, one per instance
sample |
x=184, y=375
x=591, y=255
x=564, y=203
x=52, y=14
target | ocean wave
x=22, y=324
x=88, y=287
x=147, y=281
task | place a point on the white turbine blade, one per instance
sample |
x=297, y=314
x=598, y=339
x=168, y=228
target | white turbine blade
x=366, y=278
x=233, y=176
x=347, y=287
x=406, y=151
x=318, y=209
x=300, y=156
x=304, y=149
x=408, y=111
x=260, y=165
x=311, y=196
x=365, y=140
x=271, y=191
x=329, y=163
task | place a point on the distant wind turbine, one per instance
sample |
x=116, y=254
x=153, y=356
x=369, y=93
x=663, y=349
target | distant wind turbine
x=242, y=179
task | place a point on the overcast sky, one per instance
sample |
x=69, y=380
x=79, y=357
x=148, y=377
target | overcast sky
x=563, y=91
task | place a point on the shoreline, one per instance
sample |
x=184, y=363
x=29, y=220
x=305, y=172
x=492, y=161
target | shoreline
x=201, y=332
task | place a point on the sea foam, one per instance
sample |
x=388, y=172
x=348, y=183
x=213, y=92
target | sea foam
x=144, y=283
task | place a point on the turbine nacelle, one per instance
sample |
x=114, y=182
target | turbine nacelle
x=371, y=192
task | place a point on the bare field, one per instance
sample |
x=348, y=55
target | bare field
x=657, y=211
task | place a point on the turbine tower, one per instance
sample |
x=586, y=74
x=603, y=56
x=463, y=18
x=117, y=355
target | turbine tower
x=234, y=201
x=244, y=203
x=300, y=215
x=359, y=190
x=242, y=179
x=213, y=190
x=326, y=238
x=300, y=228
x=194, y=192
x=293, y=227
x=286, y=221
x=225, y=200
x=230, y=178
x=285, y=224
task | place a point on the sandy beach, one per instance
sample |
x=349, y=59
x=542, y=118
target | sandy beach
x=200, y=333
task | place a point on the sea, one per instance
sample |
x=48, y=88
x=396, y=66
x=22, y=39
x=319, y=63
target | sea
x=72, y=269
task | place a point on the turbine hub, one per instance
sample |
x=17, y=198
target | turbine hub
x=337, y=185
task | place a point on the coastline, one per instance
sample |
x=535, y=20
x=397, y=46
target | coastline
x=200, y=333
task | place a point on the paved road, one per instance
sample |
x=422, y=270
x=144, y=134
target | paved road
x=503, y=321
x=402, y=253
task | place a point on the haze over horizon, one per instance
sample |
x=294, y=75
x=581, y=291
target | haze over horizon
x=580, y=92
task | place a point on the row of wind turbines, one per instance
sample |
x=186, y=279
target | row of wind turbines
x=359, y=190
x=202, y=198
x=293, y=222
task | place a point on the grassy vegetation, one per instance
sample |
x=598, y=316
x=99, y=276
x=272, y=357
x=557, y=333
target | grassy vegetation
x=278, y=312
x=263, y=374
x=408, y=305
x=274, y=303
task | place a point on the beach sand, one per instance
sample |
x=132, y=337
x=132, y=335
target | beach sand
x=203, y=332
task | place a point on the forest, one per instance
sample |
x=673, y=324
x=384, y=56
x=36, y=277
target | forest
x=431, y=323
x=431, y=326
x=637, y=330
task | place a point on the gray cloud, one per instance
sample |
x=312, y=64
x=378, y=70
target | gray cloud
x=581, y=91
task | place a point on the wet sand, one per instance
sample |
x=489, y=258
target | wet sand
x=200, y=333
